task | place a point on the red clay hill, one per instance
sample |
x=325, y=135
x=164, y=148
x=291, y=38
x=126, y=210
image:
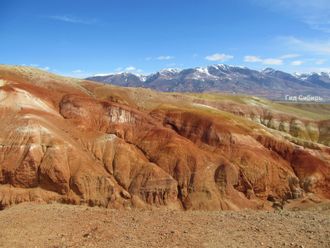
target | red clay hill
x=79, y=142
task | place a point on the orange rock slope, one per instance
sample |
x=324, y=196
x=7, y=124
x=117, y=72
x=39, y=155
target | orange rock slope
x=79, y=142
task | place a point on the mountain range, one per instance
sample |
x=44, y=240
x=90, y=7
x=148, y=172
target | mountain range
x=269, y=83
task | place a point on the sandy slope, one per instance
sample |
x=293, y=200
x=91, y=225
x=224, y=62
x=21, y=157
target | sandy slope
x=55, y=225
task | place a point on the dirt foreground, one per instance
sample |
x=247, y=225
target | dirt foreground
x=56, y=225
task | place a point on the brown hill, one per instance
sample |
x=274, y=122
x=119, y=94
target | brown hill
x=79, y=142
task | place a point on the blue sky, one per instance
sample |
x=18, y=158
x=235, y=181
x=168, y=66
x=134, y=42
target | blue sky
x=86, y=37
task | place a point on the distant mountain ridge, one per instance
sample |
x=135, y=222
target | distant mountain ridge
x=270, y=83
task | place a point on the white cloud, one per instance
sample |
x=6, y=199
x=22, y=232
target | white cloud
x=165, y=57
x=77, y=71
x=162, y=57
x=290, y=56
x=315, y=46
x=130, y=68
x=252, y=59
x=272, y=61
x=102, y=74
x=267, y=61
x=320, y=61
x=219, y=57
x=71, y=19
x=297, y=63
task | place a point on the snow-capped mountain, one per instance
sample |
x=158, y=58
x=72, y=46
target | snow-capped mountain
x=269, y=82
x=319, y=79
x=122, y=79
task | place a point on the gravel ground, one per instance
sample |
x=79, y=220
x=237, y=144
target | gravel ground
x=56, y=225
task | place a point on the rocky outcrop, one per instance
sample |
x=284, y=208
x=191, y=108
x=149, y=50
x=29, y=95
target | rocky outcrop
x=248, y=150
x=304, y=129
